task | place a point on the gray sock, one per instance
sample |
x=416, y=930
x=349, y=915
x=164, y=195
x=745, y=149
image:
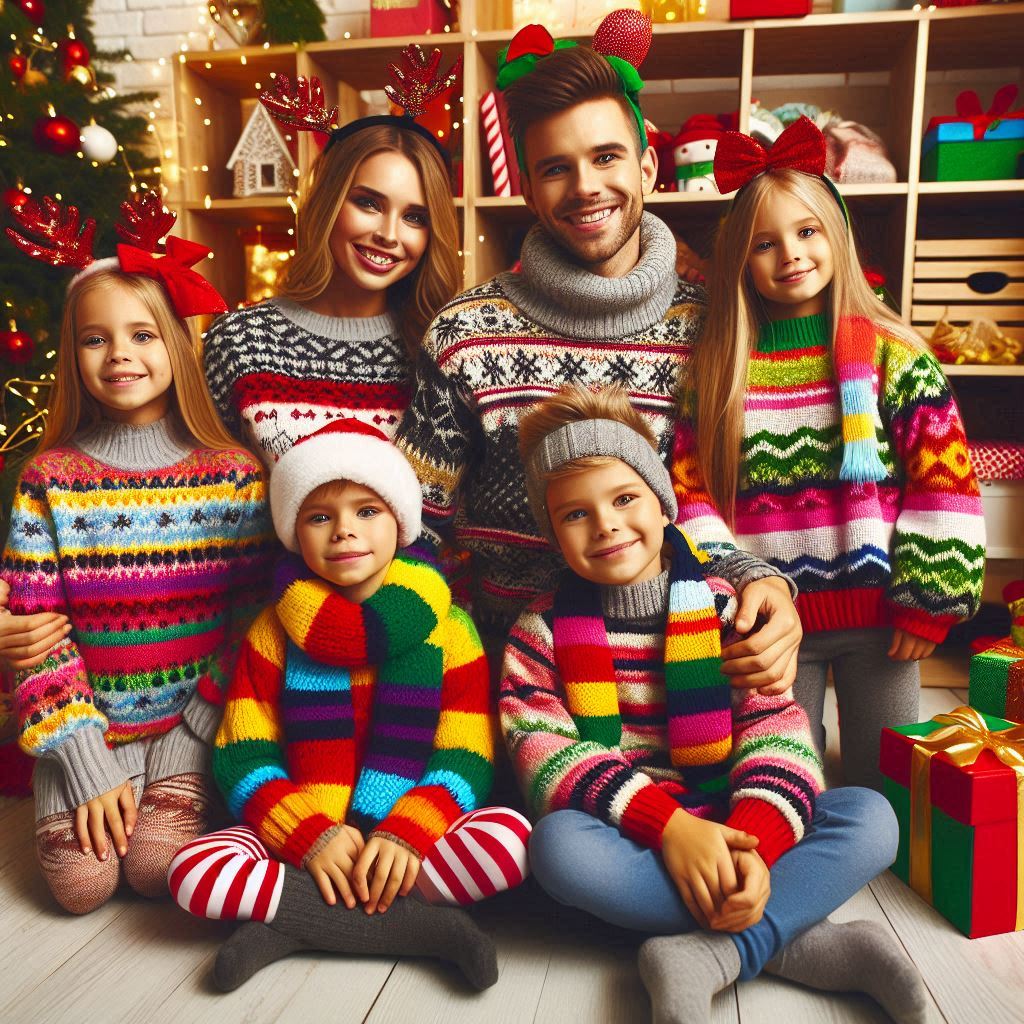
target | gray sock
x=410, y=927
x=683, y=973
x=860, y=956
x=251, y=948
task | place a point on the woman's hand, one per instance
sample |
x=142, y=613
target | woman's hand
x=332, y=867
x=25, y=640
x=117, y=809
x=765, y=660
x=385, y=869
x=698, y=857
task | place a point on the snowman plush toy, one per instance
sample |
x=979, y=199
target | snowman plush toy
x=694, y=153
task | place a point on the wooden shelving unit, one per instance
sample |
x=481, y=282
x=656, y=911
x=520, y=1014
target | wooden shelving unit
x=888, y=60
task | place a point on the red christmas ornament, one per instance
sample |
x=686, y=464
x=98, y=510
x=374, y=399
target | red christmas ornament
x=15, y=198
x=16, y=347
x=625, y=34
x=74, y=53
x=57, y=134
x=18, y=64
x=33, y=10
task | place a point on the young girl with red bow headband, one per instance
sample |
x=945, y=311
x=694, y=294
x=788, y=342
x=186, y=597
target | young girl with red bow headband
x=827, y=436
x=141, y=521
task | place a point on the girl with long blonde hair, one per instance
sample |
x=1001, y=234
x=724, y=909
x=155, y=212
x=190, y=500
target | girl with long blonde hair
x=826, y=435
x=376, y=255
x=141, y=522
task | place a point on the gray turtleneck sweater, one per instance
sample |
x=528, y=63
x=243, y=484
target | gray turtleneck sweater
x=493, y=352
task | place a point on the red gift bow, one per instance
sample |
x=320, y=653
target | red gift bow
x=968, y=108
x=189, y=292
x=739, y=158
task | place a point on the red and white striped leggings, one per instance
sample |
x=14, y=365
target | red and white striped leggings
x=230, y=875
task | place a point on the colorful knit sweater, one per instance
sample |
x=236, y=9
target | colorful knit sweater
x=493, y=352
x=375, y=715
x=279, y=372
x=906, y=552
x=158, y=571
x=767, y=786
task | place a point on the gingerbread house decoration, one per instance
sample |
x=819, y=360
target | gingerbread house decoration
x=261, y=162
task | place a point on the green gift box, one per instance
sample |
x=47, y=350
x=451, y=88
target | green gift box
x=997, y=681
x=961, y=844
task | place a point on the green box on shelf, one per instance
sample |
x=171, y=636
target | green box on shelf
x=997, y=681
x=972, y=161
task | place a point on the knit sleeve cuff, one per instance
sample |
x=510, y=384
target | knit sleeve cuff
x=202, y=717
x=89, y=766
x=741, y=568
x=319, y=844
x=920, y=623
x=647, y=814
x=761, y=819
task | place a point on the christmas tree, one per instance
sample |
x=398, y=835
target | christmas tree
x=64, y=132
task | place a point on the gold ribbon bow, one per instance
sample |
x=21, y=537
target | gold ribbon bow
x=964, y=736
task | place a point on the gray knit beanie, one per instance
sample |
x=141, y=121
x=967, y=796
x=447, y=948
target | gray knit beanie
x=586, y=438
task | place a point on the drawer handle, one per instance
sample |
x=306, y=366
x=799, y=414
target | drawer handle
x=988, y=282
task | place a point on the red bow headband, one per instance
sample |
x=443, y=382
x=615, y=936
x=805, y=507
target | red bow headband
x=739, y=158
x=64, y=241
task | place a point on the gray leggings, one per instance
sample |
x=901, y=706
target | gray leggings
x=872, y=691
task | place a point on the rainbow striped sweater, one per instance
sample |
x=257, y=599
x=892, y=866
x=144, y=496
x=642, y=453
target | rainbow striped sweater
x=374, y=715
x=766, y=786
x=158, y=571
x=906, y=552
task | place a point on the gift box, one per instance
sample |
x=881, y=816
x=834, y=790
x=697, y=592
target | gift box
x=956, y=784
x=860, y=6
x=408, y=17
x=997, y=681
x=741, y=9
x=975, y=145
x=997, y=460
x=497, y=141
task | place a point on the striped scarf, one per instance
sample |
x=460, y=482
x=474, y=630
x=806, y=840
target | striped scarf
x=854, y=355
x=698, y=697
x=392, y=631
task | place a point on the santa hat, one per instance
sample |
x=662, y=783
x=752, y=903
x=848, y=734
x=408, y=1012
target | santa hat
x=700, y=126
x=345, y=450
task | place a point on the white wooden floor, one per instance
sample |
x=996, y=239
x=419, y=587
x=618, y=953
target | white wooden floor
x=133, y=961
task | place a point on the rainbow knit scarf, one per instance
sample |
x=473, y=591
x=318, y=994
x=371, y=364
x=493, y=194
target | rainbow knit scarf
x=698, y=696
x=854, y=355
x=393, y=631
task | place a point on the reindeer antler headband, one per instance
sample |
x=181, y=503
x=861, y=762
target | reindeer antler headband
x=623, y=39
x=64, y=240
x=414, y=86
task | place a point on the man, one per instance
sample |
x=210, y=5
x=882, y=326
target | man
x=598, y=302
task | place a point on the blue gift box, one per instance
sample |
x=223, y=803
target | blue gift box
x=963, y=131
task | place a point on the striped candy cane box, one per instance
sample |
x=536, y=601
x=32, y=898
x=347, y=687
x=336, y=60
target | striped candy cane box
x=498, y=147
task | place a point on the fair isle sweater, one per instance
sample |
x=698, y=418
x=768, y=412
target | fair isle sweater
x=318, y=731
x=496, y=350
x=767, y=786
x=906, y=552
x=279, y=372
x=156, y=551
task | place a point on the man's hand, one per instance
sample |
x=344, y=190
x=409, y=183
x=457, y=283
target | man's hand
x=385, y=869
x=764, y=660
x=745, y=907
x=908, y=647
x=332, y=867
x=698, y=857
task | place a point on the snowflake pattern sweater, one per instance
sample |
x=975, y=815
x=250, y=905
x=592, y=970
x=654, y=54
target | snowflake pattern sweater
x=496, y=350
x=278, y=372
x=906, y=552
x=766, y=787
x=376, y=715
x=157, y=570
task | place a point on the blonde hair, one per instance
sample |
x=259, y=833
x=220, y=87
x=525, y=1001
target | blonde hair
x=435, y=280
x=573, y=405
x=716, y=378
x=73, y=409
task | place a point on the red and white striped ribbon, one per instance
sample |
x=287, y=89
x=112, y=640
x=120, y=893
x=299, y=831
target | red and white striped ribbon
x=495, y=144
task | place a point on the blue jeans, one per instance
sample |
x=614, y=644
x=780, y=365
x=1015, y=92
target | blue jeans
x=582, y=862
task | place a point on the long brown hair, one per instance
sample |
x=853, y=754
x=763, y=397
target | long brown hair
x=434, y=282
x=73, y=409
x=716, y=379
